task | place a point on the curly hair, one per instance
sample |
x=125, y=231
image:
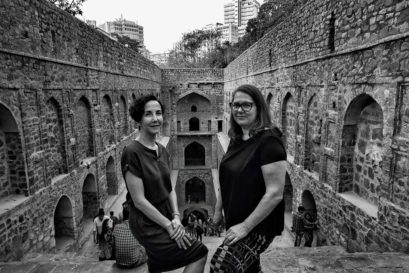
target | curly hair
x=138, y=107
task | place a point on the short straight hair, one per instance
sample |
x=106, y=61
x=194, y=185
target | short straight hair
x=138, y=107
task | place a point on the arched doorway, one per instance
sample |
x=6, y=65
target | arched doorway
x=112, y=185
x=63, y=223
x=308, y=202
x=195, y=191
x=89, y=197
x=195, y=155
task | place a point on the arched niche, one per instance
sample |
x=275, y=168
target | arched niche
x=56, y=151
x=83, y=124
x=313, y=123
x=193, y=105
x=288, y=194
x=89, y=197
x=194, y=124
x=361, y=150
x=123, y=116
x=195, y=155
x=195, y=190
x=288, y=121
x=12, y=166
x=107, y=122
x=112, y=185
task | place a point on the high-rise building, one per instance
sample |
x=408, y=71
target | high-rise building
x=124, y=28
x=239, y=12
x=230, y=33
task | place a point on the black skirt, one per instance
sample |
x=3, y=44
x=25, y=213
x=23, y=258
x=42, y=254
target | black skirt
x=163, y=252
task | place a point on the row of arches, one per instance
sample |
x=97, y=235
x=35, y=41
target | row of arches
x=361, y=141
x=64, y=220
x=55, y=126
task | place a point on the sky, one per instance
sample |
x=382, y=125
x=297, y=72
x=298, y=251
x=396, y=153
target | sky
x=163, y=21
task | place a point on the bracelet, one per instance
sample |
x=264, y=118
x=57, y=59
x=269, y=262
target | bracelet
x=176, y=213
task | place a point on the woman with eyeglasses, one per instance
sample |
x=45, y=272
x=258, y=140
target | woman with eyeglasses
x=252, y=176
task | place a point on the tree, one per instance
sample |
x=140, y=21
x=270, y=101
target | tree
x=128, y=42
x=70, y=6
x=197, y=48
x=271, y=13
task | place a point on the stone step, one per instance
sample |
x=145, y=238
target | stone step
x=327, y=259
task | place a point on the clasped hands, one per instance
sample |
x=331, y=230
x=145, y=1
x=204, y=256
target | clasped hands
x=177, y=232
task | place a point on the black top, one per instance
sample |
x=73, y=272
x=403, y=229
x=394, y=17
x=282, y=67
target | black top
x=152, y=168
x=242, y=184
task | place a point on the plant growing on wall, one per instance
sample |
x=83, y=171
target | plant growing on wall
x=70, y=6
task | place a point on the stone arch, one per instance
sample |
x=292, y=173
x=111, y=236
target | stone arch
x=313, y=124
x=184, y=113
x=12, y=167
x=123, y=116
x=288, y=122
x=64, y=231
x=89, y=197
x=195, y=190
x=107, y=122
x=192, y=94
x=308, y=202
x=112, y=185
x=361, y=150
x=194, y=124
x=83, y=123
x=288, y=194
x=195, y=154
x=56, y=152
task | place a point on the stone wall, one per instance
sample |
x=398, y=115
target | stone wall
x=335, y=76
x=56, y=72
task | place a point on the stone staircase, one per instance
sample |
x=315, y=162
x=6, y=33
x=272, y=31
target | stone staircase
x=327, y=259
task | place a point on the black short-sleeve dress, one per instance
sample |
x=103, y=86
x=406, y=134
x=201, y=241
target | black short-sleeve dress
x=242, y=183
x=153, y=168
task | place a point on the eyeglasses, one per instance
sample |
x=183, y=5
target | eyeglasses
x=245, y=106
